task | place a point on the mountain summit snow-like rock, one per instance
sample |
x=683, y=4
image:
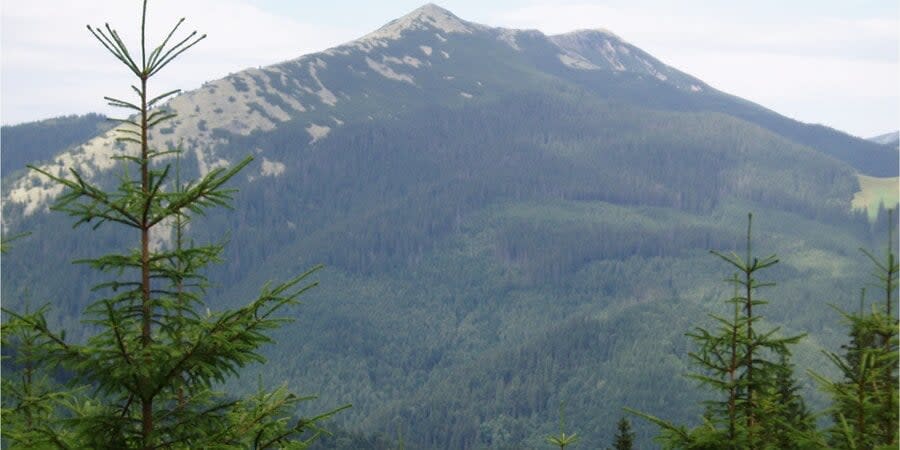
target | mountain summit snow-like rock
x=600, y=49
x=429, y=16
x=428, y=57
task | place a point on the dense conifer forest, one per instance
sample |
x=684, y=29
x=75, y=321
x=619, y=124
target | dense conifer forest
x=528, y=271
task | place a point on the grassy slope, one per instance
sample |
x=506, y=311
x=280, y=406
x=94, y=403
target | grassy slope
x=875, y=191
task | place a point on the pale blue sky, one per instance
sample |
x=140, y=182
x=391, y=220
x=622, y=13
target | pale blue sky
x=829, y=62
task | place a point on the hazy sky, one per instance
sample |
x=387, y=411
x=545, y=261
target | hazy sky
x=833, y=62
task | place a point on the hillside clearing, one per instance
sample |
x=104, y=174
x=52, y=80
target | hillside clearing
x=874, y=191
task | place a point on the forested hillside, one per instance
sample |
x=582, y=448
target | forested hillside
x=497, y=238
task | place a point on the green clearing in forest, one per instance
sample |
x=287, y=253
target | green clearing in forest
x=874, y=191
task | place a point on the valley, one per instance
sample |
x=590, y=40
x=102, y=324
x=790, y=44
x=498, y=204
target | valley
x=508, y=221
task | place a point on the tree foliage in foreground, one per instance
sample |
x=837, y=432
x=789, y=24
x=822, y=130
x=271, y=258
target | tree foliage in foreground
x=147, y=378
x=865, y=399
x=562, y=440
x=757, y=404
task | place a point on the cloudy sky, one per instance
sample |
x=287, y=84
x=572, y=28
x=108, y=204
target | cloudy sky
x=832, y=62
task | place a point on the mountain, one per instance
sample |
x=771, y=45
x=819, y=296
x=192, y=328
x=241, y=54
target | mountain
x=40, y=141
x=892, y=139
x=508, y=219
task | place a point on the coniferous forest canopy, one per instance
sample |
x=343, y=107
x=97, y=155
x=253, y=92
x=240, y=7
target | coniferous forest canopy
x=527, y=265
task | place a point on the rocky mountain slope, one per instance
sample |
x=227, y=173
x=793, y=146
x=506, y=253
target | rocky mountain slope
x=508, y=219
x=430, y=56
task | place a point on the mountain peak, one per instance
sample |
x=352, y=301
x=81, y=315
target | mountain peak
x=428, y=16
x=887, y=139
x=429, y=9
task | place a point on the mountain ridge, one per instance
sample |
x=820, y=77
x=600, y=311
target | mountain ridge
x=429, y=15
x=501, y=231
x=892, y=138
x=260, y=99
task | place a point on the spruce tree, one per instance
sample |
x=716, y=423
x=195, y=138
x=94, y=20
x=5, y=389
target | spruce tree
x=865, y=399
x=742, y=366
x=148, y=375
x=562, y=440
x=789, y=423
x=31, y=393
x=624, y=439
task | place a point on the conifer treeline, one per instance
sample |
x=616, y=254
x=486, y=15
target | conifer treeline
x=148, y=376
x=755, y=403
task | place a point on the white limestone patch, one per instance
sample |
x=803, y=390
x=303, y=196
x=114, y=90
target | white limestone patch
x=317, y=132
x=207, y=161
x=219, y=163
x=337, y=121
x=653, y=70
x=695, y=88
x=609, y=53
x=216, y=105
x=425, y=49
x=271, y=168
x=285, y=97
x=228, y=109
x=35, y=191
x=96, y=154
x=576, y=61
x=391, y=60
x=324, y=94
x=256, y=80
x=388, y=72
x=406, y=60
x=410, y=61
x=465, y=94
x=449, y=77
x=162, y=235
x=445, y=54
x=589, y=42
x=366, y=44
x=509, y=37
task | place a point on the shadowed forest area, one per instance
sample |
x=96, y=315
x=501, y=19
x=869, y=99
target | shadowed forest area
x=540, y=268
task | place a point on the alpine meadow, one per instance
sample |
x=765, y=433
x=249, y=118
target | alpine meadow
x=444, y=235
